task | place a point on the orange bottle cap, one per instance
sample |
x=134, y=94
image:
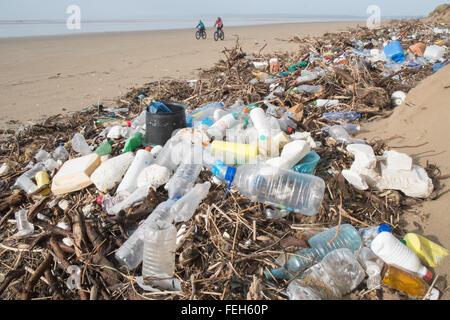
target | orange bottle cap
x=148, y=149
x=245, y=110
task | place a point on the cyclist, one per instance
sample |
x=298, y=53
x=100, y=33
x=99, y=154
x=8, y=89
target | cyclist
x=201, y=26
x=219, y=24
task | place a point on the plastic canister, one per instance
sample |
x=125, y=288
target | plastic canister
x=394, y=51
x=42, y=179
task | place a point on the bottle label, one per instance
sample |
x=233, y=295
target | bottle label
x=217, y=167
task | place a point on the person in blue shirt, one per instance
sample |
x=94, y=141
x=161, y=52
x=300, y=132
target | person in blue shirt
x=201, y=26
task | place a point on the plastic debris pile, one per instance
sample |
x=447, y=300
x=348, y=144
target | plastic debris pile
x=233, y=206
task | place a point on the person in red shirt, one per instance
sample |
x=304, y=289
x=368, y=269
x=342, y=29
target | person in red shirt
x=219, y=24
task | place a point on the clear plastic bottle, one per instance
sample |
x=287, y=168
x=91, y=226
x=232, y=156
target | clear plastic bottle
x=285, y=189
x=24, y=228
x=159, y=250
x=342, y=115
x=287, y=123
x=394, y=252
x=347, y=237
x=139, y=121
x=80, y=145
x=273, y=214
x=142, y=159
x=309, y=88
x=167, y=157
x=204, y=113
x=183, y=179
x=185, y=207
x=60, y=152
x=372, y=265
x=338, y=133
x=107, y=202
x=26, y=184
x=338, y=273
x=351, y=128
x=125, y=202
x=217, y=167
x=131, y=252
x=41, y=156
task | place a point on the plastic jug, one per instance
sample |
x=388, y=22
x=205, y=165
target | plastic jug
x=394, y=51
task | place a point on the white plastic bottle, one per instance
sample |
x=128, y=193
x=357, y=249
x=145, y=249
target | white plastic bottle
x=185, y=207
x=80, y=145
x=291, y=154
x=24, y=228
x=325, y=102
x=132, y=250
x=393, y=251
x=142, y=159
x=159, y=250
x=219, y=128
x=109, y=173
x=282, y=188
x=262, y=125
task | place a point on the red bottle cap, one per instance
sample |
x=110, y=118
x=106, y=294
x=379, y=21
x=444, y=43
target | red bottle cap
x=128, y=123
x=428, y=277
x=99, y=199
x=290, y=130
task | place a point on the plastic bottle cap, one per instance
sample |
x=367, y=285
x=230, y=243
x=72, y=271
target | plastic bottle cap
x=290, y=130
x=403, y=241
x=229, y=175
x=148, y=149
x=245, y=110
x=315, y=103
x=110, y=142
x=359, y=115
x=61, y=144
x=428, y=276
x=262, y=137
x=99, y=200
x=384, y=228
x=246, y=122
x=128, y=123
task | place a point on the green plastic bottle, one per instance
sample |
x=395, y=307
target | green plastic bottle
x=105, y=148
x=133, y=142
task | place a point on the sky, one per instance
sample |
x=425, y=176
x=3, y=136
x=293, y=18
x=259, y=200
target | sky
x=138, y=9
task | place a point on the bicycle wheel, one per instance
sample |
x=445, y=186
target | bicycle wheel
x=222, y=35
x=216, y=36
x=198, y=35
x=204, y=34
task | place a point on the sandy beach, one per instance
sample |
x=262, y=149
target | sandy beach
x=44, y=76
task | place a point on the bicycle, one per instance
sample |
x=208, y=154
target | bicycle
x=201, y=33
x=219, y=35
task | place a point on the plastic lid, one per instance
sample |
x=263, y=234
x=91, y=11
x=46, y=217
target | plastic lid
x=148, y=149
x=384, y=228
x=110, y=142
x=246, y=122
x=428, y=276
x=229, y=175
x=99, y=199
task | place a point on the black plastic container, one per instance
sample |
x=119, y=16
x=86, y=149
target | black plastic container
x=159, y=126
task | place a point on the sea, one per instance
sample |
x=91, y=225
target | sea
x=32, y=28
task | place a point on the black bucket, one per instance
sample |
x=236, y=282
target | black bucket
x=159, y=126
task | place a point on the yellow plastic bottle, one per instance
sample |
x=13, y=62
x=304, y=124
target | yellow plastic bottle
x=428, y=252
x=237, y=151
x=403, y=281
x=42, y=178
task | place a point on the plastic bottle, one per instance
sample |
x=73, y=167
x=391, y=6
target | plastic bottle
x=273, y=214
x=264, y=133
x=185, y=207
x=206, y=112
x=325, y=102
x=309, y=88
x=133, y=142
x=233, y=153
x=25, y=183
x=217, y=166
x=79, y=144
x=336, y=275
x=60, y=152
x=109, y=173
x=351, y=128
x=105, y=148
x=219, y=128
x=373, y=267
x=116, y=109
x=394, y=252
x=131, y=252
x=404, y=281
x=23, y=226
x=159, y=250
x=428, y=252
x=287, y=123
x=171, y=154
x=139, y=121
x=41, y=156
x=123, y=202
x=285, y=189
x=306, y=76
x=338, y=133
x=342, y=115
x=183, y=180
x=107, y=202
x=142, y=159
x=369, y=233
x=347, y=237
x=434, y=53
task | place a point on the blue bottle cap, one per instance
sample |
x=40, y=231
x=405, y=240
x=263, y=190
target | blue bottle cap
x=61, y=144
x=246, y=122
x=229, y=175
x=262, y=137
x=359, y=115
x=384, y=228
